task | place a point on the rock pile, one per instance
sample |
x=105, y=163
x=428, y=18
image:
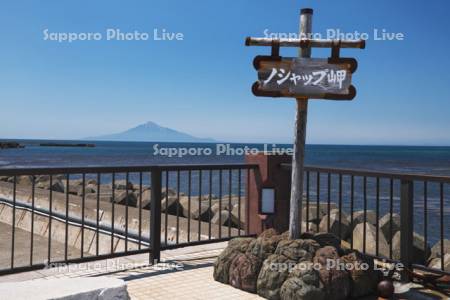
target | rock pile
x=228, y=211
x=342, y=225
x=275, y=267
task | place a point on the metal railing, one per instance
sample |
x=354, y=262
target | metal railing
x=72, y=215
x=414, y=211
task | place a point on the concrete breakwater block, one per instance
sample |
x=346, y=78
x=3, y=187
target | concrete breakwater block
x=98, y=288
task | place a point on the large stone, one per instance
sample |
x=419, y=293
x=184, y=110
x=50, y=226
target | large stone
x=231, y=201
x=74, y=185
x=56, y=185
x=102, y=198
x=303, y=284
x=225, y=218
x=309, y=227
x=82, y=288
x=358, y=240
x=323, y=211
x=223, y=262
x=385, y=225
x=244, y=272
x=358, y=217
x=274, y=272
x=170, y=205
x=146, y=198
x=123, y=185
x=436, y=263
x=25, y=180
x=195, y=208
x=327, y=239
x=264, y=245
x=336, y=281
x=124, y=198
x=239, y=215
x=297, y=250
x=87, y=190
x=268, y=233
x=240, y=244
x=364, y=277
x=215, y=208
x=436, y=250
x=91, y=182
x=217, y=205
x=341, y=229
x=420, y=253
x=323, y=254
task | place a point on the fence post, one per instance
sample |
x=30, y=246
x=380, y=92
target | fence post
x=407, y=225
x=155, y=216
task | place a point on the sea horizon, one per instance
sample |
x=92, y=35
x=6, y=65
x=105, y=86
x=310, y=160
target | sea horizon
x=432, y=160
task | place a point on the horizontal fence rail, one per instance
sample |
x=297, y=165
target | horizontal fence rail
x=51, y=216
x=392, y=216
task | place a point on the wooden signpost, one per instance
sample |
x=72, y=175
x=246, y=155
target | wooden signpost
x=303, y=78
x=314, y=78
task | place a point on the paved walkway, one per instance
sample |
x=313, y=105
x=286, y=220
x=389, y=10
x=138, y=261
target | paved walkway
x=184, y=273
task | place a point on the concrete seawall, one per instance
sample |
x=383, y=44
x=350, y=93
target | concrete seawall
x=24, y=216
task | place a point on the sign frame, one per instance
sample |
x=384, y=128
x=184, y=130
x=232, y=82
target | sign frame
x=279, y=94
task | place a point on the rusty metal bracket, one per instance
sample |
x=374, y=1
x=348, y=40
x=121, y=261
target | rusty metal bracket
x=336, y=50
x=275, y=48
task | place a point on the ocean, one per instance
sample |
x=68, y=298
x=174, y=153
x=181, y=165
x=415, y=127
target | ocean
x=408, y=159
x=398, y=159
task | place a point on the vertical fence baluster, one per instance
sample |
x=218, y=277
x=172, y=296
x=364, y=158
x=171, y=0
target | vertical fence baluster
x=83, y=200
x=377, y=209
x=318, y=199
x=140, y=211
x=364, y=213
x=441, y=187
x=165, y=208
x=340, y=206
x=50, y=205
x=220, y=204
x=189, y=205
x=178, y=207
x=239, y=201
x=229, y=202
x=352, y=200
x=66, y=225
x=210, y=203
x=307, y=203
x=33, y=184
x=13, y=229
x=247, y=203
x=199, y=204
x=328, y=201
x=97, y=228
x=127, y=175
x=113, y=200
x=391, y=212
x=425, y=215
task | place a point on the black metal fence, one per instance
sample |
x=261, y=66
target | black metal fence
x=396, y=217
x=69, y=215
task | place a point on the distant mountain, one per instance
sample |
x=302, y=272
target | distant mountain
x=151, y=132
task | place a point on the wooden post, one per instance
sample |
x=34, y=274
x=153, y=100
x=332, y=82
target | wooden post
x=295, y=214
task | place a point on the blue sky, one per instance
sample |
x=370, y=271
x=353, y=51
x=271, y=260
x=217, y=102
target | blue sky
x=201, y=85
